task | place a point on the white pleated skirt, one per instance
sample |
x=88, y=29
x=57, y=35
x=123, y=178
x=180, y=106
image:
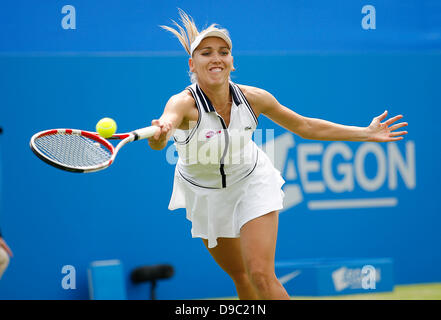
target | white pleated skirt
x=221, y=213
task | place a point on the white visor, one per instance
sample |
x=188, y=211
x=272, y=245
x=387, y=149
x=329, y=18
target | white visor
x=212, y=33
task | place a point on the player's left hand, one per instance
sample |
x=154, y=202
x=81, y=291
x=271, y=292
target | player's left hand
x=384, y=131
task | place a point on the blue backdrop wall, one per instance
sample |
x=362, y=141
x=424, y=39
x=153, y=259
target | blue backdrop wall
x=50, y=78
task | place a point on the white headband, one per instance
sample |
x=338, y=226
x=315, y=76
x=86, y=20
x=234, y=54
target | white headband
x=212, y=33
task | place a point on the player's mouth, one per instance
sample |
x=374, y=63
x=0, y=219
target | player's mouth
x=215, y=69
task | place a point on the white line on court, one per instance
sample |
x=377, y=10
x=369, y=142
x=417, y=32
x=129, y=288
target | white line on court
x=352, y=203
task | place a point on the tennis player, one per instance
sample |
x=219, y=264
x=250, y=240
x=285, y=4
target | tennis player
x=231, y=191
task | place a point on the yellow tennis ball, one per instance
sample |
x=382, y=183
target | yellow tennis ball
x=106, y=127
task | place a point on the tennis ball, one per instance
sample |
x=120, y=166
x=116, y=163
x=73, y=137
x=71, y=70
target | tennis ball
x=106, y=127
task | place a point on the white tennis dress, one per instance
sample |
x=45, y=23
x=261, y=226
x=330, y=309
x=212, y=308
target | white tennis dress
x=222, y=178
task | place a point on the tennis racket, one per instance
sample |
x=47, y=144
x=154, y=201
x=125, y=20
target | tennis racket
x=82, y=151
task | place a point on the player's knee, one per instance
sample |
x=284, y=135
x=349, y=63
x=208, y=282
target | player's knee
x=262, y=279
x=240, y=277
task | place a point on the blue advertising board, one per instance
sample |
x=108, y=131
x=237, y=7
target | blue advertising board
x=335, y=276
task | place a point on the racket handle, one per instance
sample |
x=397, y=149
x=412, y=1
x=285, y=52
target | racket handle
x=144, y=133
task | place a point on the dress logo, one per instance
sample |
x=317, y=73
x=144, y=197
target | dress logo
x=211, y=133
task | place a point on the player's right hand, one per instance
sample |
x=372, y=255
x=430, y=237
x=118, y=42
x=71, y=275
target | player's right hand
x=159, y=140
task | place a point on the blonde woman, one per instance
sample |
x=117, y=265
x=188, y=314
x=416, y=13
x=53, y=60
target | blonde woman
x=231, y=191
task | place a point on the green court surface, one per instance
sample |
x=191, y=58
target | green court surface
x=423, y=291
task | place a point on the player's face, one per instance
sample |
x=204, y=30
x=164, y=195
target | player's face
x=212, y=61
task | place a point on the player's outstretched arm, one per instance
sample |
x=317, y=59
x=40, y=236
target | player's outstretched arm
x=318, y=129
x=175, y=111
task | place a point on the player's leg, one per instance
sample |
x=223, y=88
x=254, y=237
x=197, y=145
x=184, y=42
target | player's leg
x=258, y=243
x=228, y=256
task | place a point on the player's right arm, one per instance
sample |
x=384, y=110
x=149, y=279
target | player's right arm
x=179, y=110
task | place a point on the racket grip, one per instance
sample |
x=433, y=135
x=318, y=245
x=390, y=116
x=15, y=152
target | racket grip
x=144, y=133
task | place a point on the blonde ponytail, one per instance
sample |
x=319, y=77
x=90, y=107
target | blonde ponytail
x=185, y=36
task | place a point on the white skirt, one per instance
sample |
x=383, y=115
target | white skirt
x=221, y=213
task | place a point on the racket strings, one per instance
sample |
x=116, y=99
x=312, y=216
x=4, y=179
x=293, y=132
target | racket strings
x=73, y=150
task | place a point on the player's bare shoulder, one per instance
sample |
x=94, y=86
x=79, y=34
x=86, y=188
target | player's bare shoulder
x=183, y=103
x=258, y=98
